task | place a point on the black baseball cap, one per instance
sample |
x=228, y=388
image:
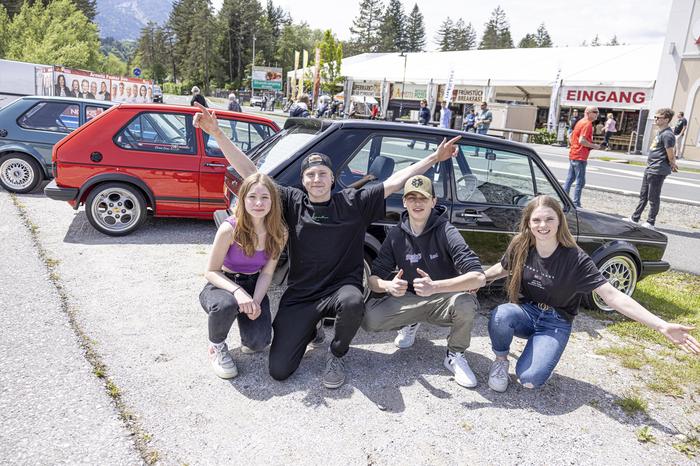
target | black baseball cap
x=315, y=159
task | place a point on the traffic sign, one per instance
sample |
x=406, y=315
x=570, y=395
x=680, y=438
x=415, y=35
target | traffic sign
x=137, y=72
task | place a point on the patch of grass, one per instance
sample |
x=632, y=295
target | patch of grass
x=51, y=263
x=112, y=389
x=632, y=403
x=675, y=297
x=644, y=435
x=467, y=426
x=690, y=446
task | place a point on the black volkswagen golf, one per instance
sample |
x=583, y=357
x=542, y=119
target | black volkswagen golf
x=484, y=189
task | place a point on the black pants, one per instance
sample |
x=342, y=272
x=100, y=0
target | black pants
x=295, y=327
x=651, y=193
x=222, y=308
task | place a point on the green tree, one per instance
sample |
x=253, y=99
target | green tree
x=464, y=36
x=240, y=21
x=415, y=31
x=296, y=37
x=57, y=34
x=150, y=57
x=4, y=26
x=613, y=41
x=88, y=7
x=528, y=42
x=331, y=59
x=445, y=35
x=365, y=26
x=542, y=37
x=497, y=32
x=392, y=32
x=112, y=64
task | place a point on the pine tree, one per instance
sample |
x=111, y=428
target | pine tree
x=596, y=41
x=497, y=32
x=542, y=37
x=613, y=41
x=365, y=27
x=463, y=36
x=415, y=31
x=445, y=35
x=4, y=26
x=528, y=42
x=392, y=32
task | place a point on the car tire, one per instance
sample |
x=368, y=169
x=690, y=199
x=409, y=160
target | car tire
x=621, y=271
x=115, y=209
x=20, y=173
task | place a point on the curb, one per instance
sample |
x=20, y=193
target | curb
x=632, y=194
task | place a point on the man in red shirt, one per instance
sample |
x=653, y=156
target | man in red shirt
x=581, y=143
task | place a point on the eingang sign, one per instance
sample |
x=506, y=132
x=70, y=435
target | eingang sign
x=606, y=97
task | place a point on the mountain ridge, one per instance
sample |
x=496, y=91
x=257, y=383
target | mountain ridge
x=124, y=19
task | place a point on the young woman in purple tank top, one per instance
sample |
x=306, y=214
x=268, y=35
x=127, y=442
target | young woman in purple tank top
x=239, y=270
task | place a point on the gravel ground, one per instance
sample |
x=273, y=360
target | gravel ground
x=136, y=298
x=54, y=410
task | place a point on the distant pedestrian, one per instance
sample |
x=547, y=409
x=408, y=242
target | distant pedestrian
x=610, y=130
x=234, y=106
x=301, y=108
x=484, y=119
x=679, y=131
x=661, y=162
x=470, y=121
x=445, y=115
x=198, y=97
x=423, y=119
x=581, y=144
x=575, y=117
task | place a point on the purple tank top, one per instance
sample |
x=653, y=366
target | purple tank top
x=237, y=261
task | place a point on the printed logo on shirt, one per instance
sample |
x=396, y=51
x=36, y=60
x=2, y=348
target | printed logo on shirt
x=413, y=258
x=537, y=279
x=320, y=218
x=655, y=144
x=433, y=256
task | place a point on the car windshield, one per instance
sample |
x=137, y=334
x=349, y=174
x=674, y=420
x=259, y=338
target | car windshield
x=279, y=150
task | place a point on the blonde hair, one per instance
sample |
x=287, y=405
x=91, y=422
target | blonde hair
x=244, y=233
x=520, y=245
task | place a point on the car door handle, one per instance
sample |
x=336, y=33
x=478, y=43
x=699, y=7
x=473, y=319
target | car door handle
x=212, y=164
x=469, y=215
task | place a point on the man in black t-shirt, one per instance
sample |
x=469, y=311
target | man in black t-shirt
x=326, y=251
x=661, y=162
x=679, y=130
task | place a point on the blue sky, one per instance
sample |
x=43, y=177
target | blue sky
x=569, y=23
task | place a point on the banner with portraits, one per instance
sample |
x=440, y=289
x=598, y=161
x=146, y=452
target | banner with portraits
x=60, y=81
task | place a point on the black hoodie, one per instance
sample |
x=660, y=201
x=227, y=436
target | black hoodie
x=439, y=250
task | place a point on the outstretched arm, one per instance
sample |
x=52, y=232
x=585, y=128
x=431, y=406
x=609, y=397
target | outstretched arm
x=206, y=120
x=676, y=333
x=445, y=150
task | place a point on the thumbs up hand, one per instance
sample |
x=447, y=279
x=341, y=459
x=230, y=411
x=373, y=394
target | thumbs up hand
x=397, y=286
x=424, y=286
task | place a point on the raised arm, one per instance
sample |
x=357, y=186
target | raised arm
x=445, y=150
x=206, y=120
x=676, y=333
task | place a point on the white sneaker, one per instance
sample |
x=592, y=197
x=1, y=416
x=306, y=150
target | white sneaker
x=458, y=365
x=407, y=336
x=630, y=219
x=222, y=362
x=649, y=226
x=498, y=375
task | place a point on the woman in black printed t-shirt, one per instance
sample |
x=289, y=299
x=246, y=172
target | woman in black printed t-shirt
x=547, y=276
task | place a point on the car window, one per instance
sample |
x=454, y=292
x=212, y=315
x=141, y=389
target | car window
x=243, y=134
x=381, y=156
x=280, y=148
x=60, y=117
x=544, y=186
x=158, y=132
x=490, y=176
x=92, y=111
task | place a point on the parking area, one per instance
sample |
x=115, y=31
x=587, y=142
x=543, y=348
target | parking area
x=136, y=299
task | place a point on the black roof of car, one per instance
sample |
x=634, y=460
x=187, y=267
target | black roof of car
x=67, y=99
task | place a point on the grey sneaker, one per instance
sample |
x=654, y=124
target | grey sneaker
x=458, y=365
x=649, y=226
x=222, y=362
x=407, y=336
x=334, y=372
x=320, y=337
x=498, y=375
x=248, y=350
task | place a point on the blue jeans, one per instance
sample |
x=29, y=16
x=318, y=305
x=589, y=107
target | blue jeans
x=547, y=334
x=577, y=171
x=482, y=130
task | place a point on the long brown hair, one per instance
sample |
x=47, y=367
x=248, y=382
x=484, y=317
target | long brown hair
x=520, y=245
x=244, y=233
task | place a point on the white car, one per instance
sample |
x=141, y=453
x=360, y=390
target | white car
x=256, y=100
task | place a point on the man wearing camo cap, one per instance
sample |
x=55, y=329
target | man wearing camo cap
x=435, y=269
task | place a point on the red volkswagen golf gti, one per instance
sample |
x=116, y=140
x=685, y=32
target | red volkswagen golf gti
x=136, y=158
